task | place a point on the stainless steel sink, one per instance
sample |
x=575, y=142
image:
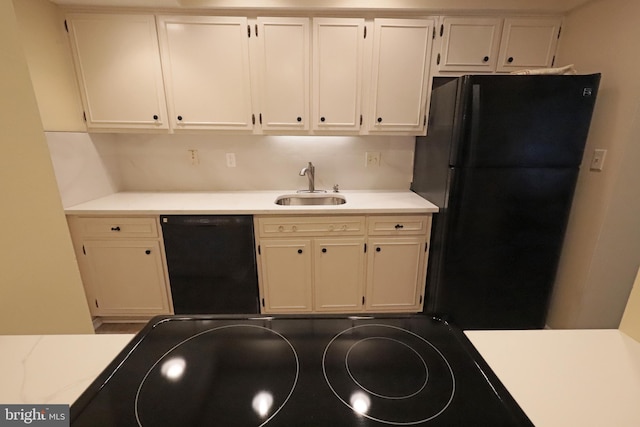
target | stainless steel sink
x=306, y=199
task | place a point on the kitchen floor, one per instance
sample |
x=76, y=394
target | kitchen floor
x=120, y=328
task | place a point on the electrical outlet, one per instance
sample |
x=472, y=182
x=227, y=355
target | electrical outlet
x=372, y=158
x=193, y=157
x=231, y=160
x=597, y=161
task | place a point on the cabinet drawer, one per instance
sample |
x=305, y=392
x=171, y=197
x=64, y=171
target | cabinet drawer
x=311, y=226
x=399, y=225
x=117, y=227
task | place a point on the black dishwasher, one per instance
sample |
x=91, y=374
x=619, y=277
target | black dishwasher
x=212, y=263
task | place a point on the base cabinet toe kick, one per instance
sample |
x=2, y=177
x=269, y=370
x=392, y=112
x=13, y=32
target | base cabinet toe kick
x=140, y=266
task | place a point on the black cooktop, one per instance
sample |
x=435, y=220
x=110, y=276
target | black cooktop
x=330, y=371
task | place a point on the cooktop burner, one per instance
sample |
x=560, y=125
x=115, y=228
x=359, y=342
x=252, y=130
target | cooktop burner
x=267, y=382
x=400, y=378
x=238, y=371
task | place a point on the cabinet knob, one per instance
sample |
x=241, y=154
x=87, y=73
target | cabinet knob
x=299, y=119
x=399, y=226
x=148, y=251
x=115, y=228
x=299, y=251
x=485, y=59
x=324, y=250
x=378, y=249
x=294, y=228
x=155, y=117
x=510, y=60
x=179, y=118
x=280, y=228
x=379, y=119
x=322, y=119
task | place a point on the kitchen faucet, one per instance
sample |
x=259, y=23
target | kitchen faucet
x=310, y=171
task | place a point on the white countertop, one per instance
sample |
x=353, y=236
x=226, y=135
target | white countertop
x=560, y=378
x=42, y=369
x=248, y=202
x=566, y=378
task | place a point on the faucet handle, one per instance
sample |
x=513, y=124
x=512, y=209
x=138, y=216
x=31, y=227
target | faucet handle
x=335, y=188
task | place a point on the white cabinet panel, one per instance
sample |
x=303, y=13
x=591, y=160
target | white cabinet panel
x=401, y=53
x=118, y=66
x=339, y=274
x=206, y=69
x=470, y=44
x=528, y=43
x=127, y=277
x=395, y=274
x=338, y=46
x=285, y=275
x=284, y=75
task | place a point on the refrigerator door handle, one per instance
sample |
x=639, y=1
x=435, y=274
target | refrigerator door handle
x=475, y=122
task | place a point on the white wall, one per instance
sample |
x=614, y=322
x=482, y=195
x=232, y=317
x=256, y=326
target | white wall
x=162, y=162
x=602, y=250
x=86, y=165
x=89, y=166
x=40, y=287
x=45, y=44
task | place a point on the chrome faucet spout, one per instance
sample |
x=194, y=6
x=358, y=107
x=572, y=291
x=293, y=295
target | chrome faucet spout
x=310, y=171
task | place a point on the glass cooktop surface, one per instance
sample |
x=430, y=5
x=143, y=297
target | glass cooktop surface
x=237, y=371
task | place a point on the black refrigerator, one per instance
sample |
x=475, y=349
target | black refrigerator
x=500, y=160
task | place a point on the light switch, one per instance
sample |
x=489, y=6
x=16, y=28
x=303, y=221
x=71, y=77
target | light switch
x=597, y=161
x=231, y=160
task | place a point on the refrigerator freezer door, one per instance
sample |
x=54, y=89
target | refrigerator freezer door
x=524, y=121
x=504, y=232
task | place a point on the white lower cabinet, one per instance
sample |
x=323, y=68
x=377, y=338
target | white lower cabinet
x=286, y=278
x=338, y=274
x=395, y=274
x=311, y=264
x=122, y=264
x=342, y=263
x=127, y=277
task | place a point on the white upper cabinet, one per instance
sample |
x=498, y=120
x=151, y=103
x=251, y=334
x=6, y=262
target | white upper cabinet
x=118, y=66
x=493, y=44
x=338, y=47
x=284, y=74
x=528, y=43
x=469, y=44
x=400, y=75
x=206, y=69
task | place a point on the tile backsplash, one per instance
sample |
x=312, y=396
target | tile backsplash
x=92, y=165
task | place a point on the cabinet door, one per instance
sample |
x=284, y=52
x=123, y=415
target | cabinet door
x=338, y=46
x=284, y=73
x=339, y=275
x=285, y=268
x=470, y=44
x=206, y=68
x=118, y=66
x=402, y=48
x=528, y=43
x=126, y=277
x=395, y=274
